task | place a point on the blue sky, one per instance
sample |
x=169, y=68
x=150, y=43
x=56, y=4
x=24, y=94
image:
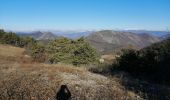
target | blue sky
x=84, y=14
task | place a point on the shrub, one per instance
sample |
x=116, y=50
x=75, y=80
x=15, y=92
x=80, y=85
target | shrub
x=38, y=52
x=84, y=55
x=1, y=35
x=150, y=63
x=60, y=50
x=11, y=39
x=66, y=50
x=129, y=60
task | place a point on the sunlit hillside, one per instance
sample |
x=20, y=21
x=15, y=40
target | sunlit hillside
x=84, y=50
x=21, y=78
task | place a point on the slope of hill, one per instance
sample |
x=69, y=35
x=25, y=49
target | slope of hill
x=155, y=33
x=38, y=35
x=72, y=34
x=150, y=63
x=164, y=37
x=22, y=79
x=106, y=41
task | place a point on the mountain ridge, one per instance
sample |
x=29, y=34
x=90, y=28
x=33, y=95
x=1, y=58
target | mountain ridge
x=119, y=40
x=38, y=35
x=105, y=41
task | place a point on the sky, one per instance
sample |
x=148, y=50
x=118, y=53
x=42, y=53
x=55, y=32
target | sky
x=84, y=14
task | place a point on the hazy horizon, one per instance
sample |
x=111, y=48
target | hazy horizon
x=80, y=30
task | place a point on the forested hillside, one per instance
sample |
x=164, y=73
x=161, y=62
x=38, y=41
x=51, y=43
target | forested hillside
x=63, y=50
x=151, y=63
x=106, y=41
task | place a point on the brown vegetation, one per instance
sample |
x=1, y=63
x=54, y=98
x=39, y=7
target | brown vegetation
x=22, y=79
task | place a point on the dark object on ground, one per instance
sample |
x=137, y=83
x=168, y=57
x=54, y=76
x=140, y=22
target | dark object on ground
x=63, y=93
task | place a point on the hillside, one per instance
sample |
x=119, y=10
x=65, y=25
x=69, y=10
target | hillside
x=164, y=37
x=22, y=78
x=155, y=33
x=72, y=34
x=38, y=35
x=150, y=63
x=106, y=41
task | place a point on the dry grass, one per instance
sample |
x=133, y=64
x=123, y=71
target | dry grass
x=10, y=53
x=109, y=58
x=24, y=80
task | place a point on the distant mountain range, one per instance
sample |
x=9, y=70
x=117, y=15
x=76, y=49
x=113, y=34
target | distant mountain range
x=155, y=33
x=73, y=34
x=38, y=35
x=107, y=40
x=165, y=36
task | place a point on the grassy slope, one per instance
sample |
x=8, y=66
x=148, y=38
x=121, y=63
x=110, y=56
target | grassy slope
x=21, y=78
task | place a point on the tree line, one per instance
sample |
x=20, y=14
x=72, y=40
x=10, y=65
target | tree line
x=151, y=63
x=64, y=50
